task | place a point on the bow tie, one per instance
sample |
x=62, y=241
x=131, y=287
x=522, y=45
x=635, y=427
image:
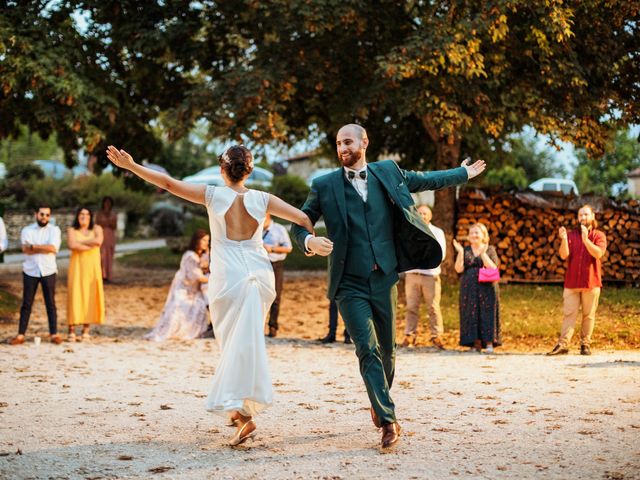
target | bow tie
x=362, y=174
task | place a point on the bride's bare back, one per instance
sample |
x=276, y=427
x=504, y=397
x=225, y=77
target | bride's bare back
x=239, y=223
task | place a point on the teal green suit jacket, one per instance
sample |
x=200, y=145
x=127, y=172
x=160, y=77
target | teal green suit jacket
x=415, y=244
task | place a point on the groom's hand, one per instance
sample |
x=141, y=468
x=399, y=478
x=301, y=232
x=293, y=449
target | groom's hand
x=320, y=246
x=473, y=169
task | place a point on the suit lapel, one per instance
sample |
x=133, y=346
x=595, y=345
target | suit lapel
x=384, y=181
x=338, y=190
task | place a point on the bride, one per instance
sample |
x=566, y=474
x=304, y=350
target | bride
x=241, y=286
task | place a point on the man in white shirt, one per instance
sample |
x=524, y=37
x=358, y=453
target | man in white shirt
x=4, y=240
x=40, y=244
x=418, y=283
x=277, y=243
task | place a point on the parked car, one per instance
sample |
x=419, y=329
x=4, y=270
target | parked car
x=260, y=177
x=318, y=173
x=554, y=185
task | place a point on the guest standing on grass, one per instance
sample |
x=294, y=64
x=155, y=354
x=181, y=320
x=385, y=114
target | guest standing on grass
x=419, y=283
x=85, y=294
x=479, y=302
x=583, y=248
x=40, y=244
x=108, y=220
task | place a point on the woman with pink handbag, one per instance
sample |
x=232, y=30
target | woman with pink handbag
x=479, y=293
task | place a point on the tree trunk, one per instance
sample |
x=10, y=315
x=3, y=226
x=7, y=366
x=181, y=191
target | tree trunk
x=444, y=209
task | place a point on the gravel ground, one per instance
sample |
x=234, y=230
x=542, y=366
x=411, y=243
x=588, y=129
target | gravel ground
x=132, y=409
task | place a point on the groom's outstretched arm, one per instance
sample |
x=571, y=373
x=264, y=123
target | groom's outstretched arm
x=312, y=208
x=421, y=181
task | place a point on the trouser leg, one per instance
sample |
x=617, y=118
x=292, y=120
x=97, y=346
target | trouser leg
x=278, y=272
x=29, y=287
x=333, y=317
x=589, y=306
x=384, y=304
x=432, y=292
x=412, y=293
x=571, y=305
x=49, y=293
x=355, y=304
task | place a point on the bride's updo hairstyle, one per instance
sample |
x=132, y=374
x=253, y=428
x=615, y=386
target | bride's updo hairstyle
x=237, y=162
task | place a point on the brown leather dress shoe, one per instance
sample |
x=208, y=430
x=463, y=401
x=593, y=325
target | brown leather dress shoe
x=19, y=340
x=390, y=435
x=374, y=417
x=57, y=339
x=436, y=342
x=409, y=341
x=272, y=332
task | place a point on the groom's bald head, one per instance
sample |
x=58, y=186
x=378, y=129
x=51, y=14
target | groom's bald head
x=351, y=145
x=356, y=130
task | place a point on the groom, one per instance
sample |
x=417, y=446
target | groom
x=374, y=232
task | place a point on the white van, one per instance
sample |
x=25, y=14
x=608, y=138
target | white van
x=554, y=185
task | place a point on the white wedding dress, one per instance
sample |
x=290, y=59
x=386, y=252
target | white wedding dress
x=241, y=290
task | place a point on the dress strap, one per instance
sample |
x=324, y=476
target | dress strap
x=208, y=194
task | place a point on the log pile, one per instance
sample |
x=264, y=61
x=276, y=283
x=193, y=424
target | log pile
x=524, y=230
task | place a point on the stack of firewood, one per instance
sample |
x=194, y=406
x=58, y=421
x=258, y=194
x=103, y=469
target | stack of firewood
x=524, y=230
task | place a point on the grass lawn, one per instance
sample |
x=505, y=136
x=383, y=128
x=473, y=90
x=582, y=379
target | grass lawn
x=152, y=258
x=531, y=315
x=9, y=303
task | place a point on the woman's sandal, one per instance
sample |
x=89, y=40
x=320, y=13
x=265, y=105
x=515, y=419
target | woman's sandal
x=72, y=338
x=86, y=337
x=241, y=437
x=232, y=422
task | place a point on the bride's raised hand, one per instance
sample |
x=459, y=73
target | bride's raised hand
x=120, y=158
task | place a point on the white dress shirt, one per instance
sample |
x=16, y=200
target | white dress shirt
x=360, y=184
x=40, y=264
x=4, y=240
x=276, y=236
x=439, y=234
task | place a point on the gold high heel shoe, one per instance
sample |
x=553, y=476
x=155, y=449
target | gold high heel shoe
x=233, y=420
x=241, y=437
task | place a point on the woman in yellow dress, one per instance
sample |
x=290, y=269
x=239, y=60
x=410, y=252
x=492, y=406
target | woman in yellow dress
x=85, y=296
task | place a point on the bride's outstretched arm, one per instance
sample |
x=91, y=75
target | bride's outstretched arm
x=282, y=209
x=193, y=193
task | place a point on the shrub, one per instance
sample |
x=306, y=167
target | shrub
x=290, y=188
x=90, y=189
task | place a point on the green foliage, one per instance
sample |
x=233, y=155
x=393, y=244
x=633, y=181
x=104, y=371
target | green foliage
x=27, y=147
x=195, y=223
x=519, y=162
x=290, y=188
x=607, y=175
x=421, y=76
x=507, y=177
x=87, y=190
x=24, y=171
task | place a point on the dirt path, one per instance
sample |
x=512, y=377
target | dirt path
x=127, y=409
x=121, y=407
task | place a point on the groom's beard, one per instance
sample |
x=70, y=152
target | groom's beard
x=351, y=159
x=42, y=223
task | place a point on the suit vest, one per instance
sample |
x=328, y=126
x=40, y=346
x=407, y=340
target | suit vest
x=370, y=227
